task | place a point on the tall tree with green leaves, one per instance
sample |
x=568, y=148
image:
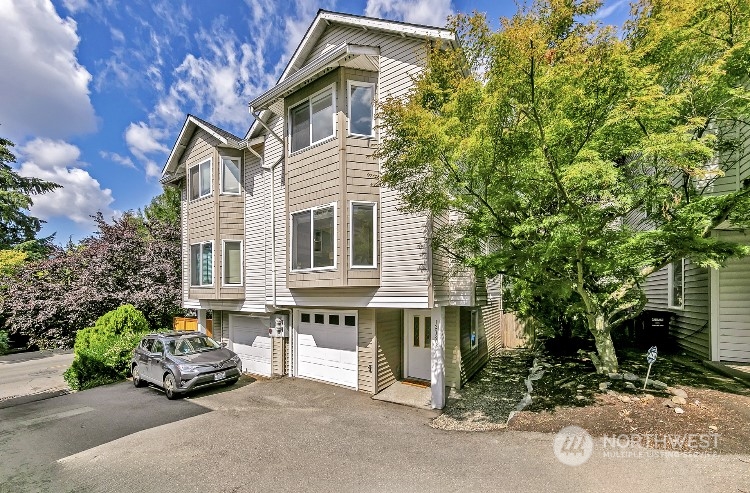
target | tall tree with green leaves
x=552, y=138
x=17, y=225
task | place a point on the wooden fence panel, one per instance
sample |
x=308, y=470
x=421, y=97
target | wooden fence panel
x=191, y=324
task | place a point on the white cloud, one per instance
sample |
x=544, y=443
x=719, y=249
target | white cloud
x=118, y=158
x=44, y=88
x=144, y=141
x=429, y=12
x=74, y=6
x=81, y=196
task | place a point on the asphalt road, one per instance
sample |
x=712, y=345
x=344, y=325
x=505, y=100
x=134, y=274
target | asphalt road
x=32, y=376
x=294, y=435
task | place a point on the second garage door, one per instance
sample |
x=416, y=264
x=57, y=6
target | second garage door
x=326, y=347
x=251, y=342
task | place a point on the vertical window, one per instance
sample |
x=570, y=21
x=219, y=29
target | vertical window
x=232, y=262
x=677, y=283
x=322, y=116
x=469, y=320
x=415, y=339
x=230, y=175
x=201, y=264
x=314, y=238
x=312, y=120
x=200, y=180
x=300, y=117
x=363, y=234
x=360, y=108
x=427, y=331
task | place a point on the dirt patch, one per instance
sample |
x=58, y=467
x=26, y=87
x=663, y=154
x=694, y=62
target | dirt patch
x=570, y=392
x=722, y=416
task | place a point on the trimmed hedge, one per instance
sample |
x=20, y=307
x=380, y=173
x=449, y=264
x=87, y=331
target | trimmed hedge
x=103, y=352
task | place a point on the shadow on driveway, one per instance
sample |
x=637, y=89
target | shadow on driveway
x=36, y=435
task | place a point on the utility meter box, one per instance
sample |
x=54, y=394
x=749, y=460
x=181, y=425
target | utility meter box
x=279, y=325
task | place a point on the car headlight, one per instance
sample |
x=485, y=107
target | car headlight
x=188, y=368
x=236, y=360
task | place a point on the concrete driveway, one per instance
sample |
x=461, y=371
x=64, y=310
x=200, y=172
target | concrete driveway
x=296, y=435
x=25, y=377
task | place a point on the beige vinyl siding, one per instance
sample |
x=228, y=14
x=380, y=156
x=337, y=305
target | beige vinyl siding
x=202, y=212
x=389, y=337
x=404, y=268
x=257, y=186
x=366, y=350
x=492, y=324
x=400, y=57
x=689, y=326
x=278, y=355
x=186, y=300
x=231, y=225
x=452, y=348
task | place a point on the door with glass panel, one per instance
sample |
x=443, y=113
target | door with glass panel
x=418, y=342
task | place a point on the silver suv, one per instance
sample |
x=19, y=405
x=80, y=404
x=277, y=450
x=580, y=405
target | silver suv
x=183, y=361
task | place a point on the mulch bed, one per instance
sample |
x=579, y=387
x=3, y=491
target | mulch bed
x=569, y=394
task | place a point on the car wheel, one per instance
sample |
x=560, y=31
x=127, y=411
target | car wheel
x=169, y=386
x=137, y=376
x=231, y=382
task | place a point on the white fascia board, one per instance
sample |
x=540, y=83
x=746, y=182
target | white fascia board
x=324, y=19
x=179, y=147
x=314, y=69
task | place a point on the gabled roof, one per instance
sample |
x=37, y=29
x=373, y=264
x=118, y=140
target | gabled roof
x=324, y=19
x=192, y=123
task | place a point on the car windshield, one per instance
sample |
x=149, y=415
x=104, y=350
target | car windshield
x=191, y=345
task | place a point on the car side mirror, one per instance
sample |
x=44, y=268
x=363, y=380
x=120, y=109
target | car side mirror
x=223, y=344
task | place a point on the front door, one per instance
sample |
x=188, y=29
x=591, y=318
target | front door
x=418, y=339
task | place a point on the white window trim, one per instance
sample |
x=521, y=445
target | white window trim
x=213, y=264
x=670, y=285
x=375, y=235
x=311, y=210
x=475, y=325
x=349, y=85
x=308, y=100
x=221, y=175
x=211, y=187
x=242, y=263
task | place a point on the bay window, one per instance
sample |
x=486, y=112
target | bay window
x=201, y=264
x=314, y=238
x=363, y=234
x=311, y=121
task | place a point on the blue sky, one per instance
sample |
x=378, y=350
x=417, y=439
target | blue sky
x=93, y=93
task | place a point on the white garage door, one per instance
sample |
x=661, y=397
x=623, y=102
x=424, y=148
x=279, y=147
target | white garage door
x=251, y=342
x=734, y=311
x=326, y=347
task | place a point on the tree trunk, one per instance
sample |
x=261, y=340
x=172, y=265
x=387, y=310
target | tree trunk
x=605, y=360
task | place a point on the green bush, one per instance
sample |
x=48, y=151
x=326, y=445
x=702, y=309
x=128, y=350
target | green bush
x=4, y=344
x=103, y=352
